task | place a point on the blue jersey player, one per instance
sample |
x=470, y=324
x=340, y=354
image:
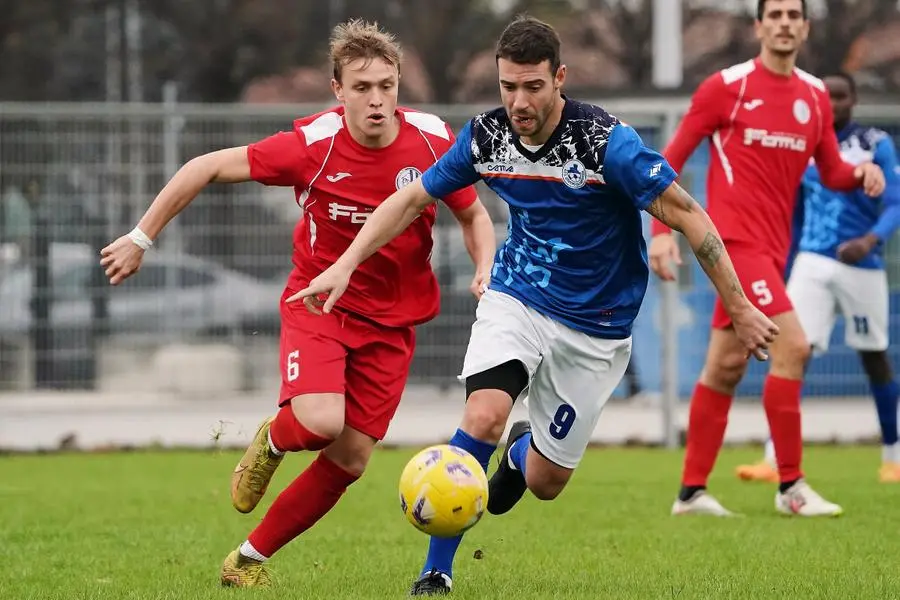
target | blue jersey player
x=839, y=269
x=555, y=320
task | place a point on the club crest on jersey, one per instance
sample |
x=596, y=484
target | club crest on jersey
x=801, y=111
x=574, y=174
x=406, y=176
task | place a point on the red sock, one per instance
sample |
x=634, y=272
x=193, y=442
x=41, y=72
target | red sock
x=289, y=434
x=781, y=399
x=300, y=505
x=706, y=430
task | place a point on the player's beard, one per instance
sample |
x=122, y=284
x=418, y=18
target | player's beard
x=524, y=128
x=534, y=124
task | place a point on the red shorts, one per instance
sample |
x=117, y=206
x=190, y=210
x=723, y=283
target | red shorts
x=762, y=279
x=345, y=354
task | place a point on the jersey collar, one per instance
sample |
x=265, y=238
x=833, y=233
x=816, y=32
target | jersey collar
x=551, y=141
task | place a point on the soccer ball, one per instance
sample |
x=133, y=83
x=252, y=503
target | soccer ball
x=443, y=491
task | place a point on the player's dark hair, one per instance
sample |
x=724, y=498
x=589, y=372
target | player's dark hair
x=761, y=9
x=851, y=83
x=529, y=41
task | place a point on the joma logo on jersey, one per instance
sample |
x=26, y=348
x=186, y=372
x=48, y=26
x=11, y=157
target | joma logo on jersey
x=499, y=168
x=786, y=141
x=353, y=213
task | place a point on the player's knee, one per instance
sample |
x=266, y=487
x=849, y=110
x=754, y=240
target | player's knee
x=791, y=353
x=489, y=398
x=724, y=372
x=546, y=488
x=486, y=414
x=877, y=366
x=321, y=414
x=351, y=451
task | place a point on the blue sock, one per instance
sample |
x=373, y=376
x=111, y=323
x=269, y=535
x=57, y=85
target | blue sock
x=886, y=404
x=442, y=550
x=519, y=451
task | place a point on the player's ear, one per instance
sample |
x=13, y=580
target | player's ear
x=560, y=77
x=804, y=31
x=338, y=90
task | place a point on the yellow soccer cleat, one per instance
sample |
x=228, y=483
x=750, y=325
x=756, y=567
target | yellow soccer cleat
x=889, y=473
x=253, y=473
x=240, y=571
x=761, y=471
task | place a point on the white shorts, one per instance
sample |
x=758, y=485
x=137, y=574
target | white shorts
x=571, y=374
x=819, y=287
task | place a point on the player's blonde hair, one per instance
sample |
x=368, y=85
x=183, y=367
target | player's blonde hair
x=357, y=39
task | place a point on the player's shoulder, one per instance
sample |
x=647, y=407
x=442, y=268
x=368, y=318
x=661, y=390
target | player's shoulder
x=490, y=121
x=425, y=123
x=873, y=136
x=591, y=122
x=320, y=126
x=589, y=113
x=733, y=75
x=811, y=80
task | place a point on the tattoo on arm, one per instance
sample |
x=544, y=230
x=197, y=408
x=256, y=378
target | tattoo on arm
x=710, y=251
x=657, y=209
x=674, y=198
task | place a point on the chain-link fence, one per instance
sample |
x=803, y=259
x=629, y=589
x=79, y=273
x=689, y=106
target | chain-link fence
x=202, y=315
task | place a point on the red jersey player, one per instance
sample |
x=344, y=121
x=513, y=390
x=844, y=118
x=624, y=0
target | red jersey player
x=765, y=119
x=342, y=373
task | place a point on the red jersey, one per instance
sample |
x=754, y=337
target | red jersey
x=337, y=183
x=763, y=129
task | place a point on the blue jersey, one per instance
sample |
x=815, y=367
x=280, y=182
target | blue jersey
x=830, y=218
x=575, y=249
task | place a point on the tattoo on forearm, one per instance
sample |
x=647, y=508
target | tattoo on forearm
x=736, y=288
x=676, y=197
x=656, y=209
x=710, y=251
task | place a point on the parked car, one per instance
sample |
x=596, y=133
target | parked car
x=178, y=293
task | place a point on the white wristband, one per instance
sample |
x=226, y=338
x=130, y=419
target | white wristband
x=140, y=239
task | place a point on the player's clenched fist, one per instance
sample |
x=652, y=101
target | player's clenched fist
x=121, y=259
x=755, y=331
x=662, y=253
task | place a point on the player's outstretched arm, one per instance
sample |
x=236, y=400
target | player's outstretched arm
x=677, y=209
x=384, y=224
x=123, y=257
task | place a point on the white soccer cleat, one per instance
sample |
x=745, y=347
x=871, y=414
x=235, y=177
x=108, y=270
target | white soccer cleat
x=700, y=503
x=803, y=501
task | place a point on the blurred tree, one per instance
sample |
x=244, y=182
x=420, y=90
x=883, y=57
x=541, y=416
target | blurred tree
x=221, y=45
x=843, y=24
x=625, y=33
x=444, y=34
x=29, y=31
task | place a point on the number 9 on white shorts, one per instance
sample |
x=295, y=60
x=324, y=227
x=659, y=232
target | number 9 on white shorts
x=571, y=374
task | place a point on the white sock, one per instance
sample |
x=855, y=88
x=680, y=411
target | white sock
x=769, y=456
x=890, y=453
x=247, y=550
x=272, y=447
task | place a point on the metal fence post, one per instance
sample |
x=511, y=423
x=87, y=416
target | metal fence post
x=668, y=303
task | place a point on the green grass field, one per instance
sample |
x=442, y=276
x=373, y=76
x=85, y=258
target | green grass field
x=157, y=525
